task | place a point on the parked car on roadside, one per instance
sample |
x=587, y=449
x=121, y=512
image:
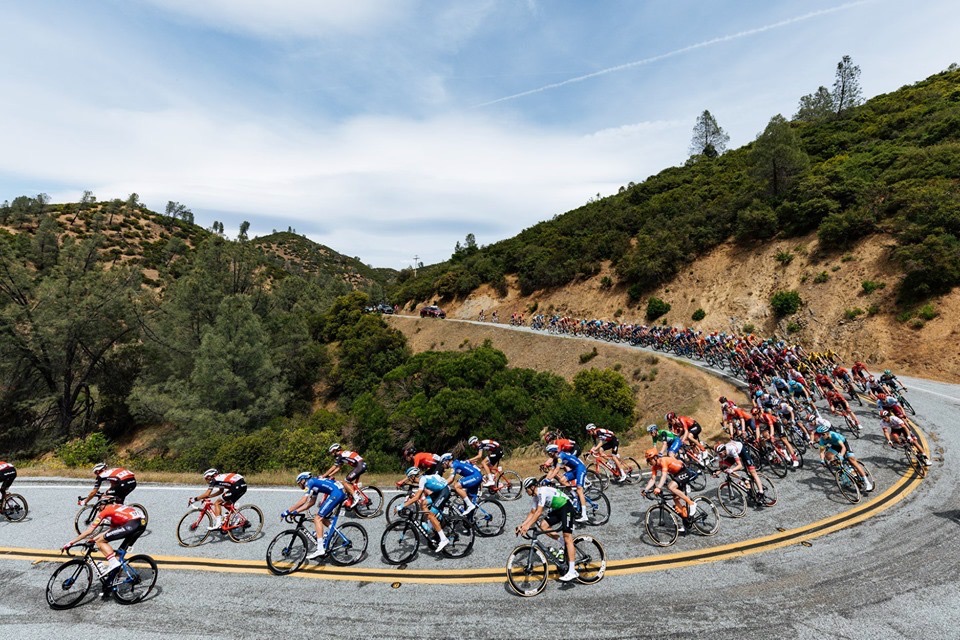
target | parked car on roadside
x=383, y=307
x=432, y=311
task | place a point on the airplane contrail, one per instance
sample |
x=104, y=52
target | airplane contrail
x=676, y=52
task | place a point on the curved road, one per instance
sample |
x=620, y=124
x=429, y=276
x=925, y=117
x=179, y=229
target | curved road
x=892, y=575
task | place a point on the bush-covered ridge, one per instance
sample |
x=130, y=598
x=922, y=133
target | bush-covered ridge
x=888, y=166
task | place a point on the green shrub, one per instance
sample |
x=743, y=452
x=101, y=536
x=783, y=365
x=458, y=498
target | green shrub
x=927, y=312
x=606, y=282
x=656, y=308
x=785, y=303
x=85, y=451
x=821, y=277
x=699, y=315
x=869, y=286
x=749, y=328
x=588, y=356
x=851, y=314
x=793, y=327
x=784, y=257
x=916, y=323
x=873, y=310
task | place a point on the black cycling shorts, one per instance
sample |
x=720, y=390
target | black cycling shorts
x=234, y=492
x=695, y=429
x=682, y=478
x=120, y=490
x=613, y=444
x=356, y=472
x=439, y=498
x=494, y=457
x=564, y=516
x=129, y=532
x=7, y=478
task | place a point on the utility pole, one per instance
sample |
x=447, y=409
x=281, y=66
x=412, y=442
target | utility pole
x=416, y=261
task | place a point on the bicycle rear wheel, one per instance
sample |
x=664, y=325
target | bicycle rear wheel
x=591, y=560
x=370, y=504
x=631, y=470
x=707, y=518
x=489, y=518
x=348, y=544
x=193, y=528
x=913, y=460
x=732, y=499
x=287, y=552
x=245, y=523
x=777, y=462
x=460, y=533
x=399, y=542
x=85, y=517
x=662, y=525
x=770, y=495
x=15, y=507
x=391, y=511
x=509, y=485
x=69, y=584
x=527, y=570
x=598, y=510
x=134, y=580
x=595, y=482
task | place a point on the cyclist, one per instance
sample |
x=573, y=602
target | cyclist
x=798, y=390
x=833, y=444
x=859, y=371
x=428, y=462
x=127, y=523
x=606, y=440
x=670, y=469
x=687, y=428
x=560, y=514
x=891, y=382
x=733, y=457
x=8, y=473
x=489, y=453
x=122, y=483
x=671, y=441
x=469, y=483
x=226, y=487
x=432, y=494
x=564, y=444
x=841, y=374
x=891, y=404
x=351, y=482
x=839, y=406
x=574, y=476
x=774, y=429
x=895, y=429
x=333, y=497
x=824, y=383
x=874, y=388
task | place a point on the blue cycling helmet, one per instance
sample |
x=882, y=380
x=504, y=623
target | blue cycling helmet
x=758, y=393
x=303, y=477
x=413, y=471
x=822, y=428
x=445, y=458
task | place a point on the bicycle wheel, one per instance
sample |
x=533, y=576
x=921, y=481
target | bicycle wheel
x=489, y=518
x=287, y=552
x=598, y=510
x=631, y=470
x=399, y=542
x=770, y=495
x=146, y=516
x=853, y=395
x=777, y=462
x=698, y=479
x=15, y=508
x=370, y=504
x=134, y=580
x=348, y=544
x=391, y=511
x=906, y=405
x=85, y=517
x=527, y=570
x=798, y=440
x=245, y=523
x=849, y=488
x=460, y=533
x=662, y=525
x=852, y=426
x=591, y=560
x=707, y=518
x=732, y=499
x=595, y=483
x=193, y=528
x=914, y=461
x=69, y=584
x=509, y=485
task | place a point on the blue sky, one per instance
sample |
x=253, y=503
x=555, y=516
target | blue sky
x=392, y=128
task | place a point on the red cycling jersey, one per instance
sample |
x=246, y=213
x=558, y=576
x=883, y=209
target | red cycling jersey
x=116, y=475
x=565, y=445
x=118, y=515
x=5, y=465
x=351, y=458
x=425, y=461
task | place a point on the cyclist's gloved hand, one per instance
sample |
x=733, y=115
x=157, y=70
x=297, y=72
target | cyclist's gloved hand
x=284, y=514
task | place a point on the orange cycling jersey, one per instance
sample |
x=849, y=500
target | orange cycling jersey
x=740, y=413
x=767, y=419
x=686, y=422
x=564, y=444
x=667, y=464
x=118, y=515
x=424, y=460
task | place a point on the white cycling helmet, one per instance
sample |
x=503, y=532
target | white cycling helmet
x=209, y=473
x=445, y=458
x=100, y=467
x=303, y=477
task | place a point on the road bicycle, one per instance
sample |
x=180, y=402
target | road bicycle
x=488, y=517
x=507, y=485
x=88, y=513
x=607, y=471
x=15, y=507
x=241, y=524
x=847, y=480
x=129, y=583
x=346, y=544
x=736, y=492
x=663, y=521
x=910, y=456
x=851, y=392
x=402, y=538
x=528, y=565
x=902, y=399
x=368, y=502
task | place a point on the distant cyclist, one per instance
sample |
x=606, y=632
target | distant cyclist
x=833, y=444
x=671, y=442
x=351, y=459
x=122, y=482
x=895, y=431
x=687, y=428
x=489, y=454
x=470, y=478
x=226, y=488
x=606, y=441
x=733, y=457
x=427, y=462
x=333, y=496
x=564, y=444
x=891, y=382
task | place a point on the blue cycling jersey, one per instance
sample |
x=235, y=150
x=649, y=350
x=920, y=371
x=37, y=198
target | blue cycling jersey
x=570, y=461
x=322, y=485
x=833, y=440
x=466, y=469
x=794, y=386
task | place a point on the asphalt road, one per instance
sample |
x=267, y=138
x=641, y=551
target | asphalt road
x=894, y=575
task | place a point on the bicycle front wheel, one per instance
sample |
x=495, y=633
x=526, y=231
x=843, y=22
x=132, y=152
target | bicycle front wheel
x=594, y=484
x=631, y=470
x=707, y=518
x=135, y=579
x=245, y=523
x=287, y=552
x=193, y=527
x=779, y=464
x=527, y=570
x=731, y=499
x=770, y=495
x=906, y=405
x=591, y=560
x=489, y=518
x=370, y=504
x=69, y=584
x=399, y=542
x=598, y=510
x=15, y=508
x=848, y=486
x=348, y=544
x=662, y=525
x=509, y=485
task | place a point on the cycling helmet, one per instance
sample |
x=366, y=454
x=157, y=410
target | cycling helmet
x=303, y=477
x=591, y=427
x=650, y=453
x=884, y=414
x=822, y=428
x=550, y=437
x=755, y=411
x=552, y=449
x=100, y=467
x=723, y=399
x=758, y=393
x=720, y=448
x=812, y=417
x=652, y=428
x=473, y=440
x=881, y=396
x=670, y=416
x=529, y=483
x=887, y=372
x=445, y=458
x=209, y=473
x=334, y=448
x=408, y=452
x=412, y=472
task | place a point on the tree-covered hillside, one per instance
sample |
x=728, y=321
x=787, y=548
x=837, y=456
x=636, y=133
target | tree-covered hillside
x=888, y=166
